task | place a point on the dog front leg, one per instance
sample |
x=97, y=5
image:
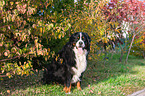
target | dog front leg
x=79, y=85
x=67, y=88
x=67, y=84
x=79, y=82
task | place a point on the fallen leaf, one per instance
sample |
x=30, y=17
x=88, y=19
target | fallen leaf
x=99, y=92
x=91, y=91
x=8, y=91
x=88, y=85
x=93, y=88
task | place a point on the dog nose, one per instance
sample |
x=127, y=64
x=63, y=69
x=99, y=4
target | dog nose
x=80, y=43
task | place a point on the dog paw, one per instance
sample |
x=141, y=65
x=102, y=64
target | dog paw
x=68, y=93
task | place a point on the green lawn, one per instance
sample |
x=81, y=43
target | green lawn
x=111, y=78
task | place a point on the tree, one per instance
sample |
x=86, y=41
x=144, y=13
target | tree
x=131, y=12
x=135, y=15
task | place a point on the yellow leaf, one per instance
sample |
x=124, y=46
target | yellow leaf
x=11, y=3
x=23, y=67
x=22, y=73
x=2, y=71
x=27, y=65
x=6, y=53
x=48, y=49
x=58, y=30
x=56, y=58
x=31, y=52
x=61, y=61
x=8, y=74
x=27, y=73
x=105, y=41
x=52, y=34
x=45, y=58
x=41, y=30
x=59, y=36
x=36, y=40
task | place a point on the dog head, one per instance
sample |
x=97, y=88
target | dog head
x=80, y=41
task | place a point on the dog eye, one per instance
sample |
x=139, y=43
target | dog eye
x=78, y=37
x=83, y=37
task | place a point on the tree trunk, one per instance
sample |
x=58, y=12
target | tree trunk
x=122, y=53
x=143, y=54
x=123, y=48
x=130, y=48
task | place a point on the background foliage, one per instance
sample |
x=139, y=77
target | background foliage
x=139, y=45
x=31, y=31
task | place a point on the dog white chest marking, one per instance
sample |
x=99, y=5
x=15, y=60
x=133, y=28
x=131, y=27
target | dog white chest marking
x=81, y=64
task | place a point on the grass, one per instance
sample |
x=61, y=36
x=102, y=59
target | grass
x=111, y=78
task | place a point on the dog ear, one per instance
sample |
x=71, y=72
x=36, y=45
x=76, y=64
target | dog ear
x=72, y=37
x=88, y=38
x=88, y=41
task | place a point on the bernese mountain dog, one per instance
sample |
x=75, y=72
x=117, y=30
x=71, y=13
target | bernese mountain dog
x=70, y=63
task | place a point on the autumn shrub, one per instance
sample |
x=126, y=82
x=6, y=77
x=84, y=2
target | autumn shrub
x=30, y=34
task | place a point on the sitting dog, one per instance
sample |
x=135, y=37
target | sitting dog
x=70, y=63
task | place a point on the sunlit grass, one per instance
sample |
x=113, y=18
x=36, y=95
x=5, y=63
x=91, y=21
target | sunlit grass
x=111, y=78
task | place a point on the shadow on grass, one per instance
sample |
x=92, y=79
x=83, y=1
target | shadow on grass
x=96, y=72
x=10, y=85
x=112, y=71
